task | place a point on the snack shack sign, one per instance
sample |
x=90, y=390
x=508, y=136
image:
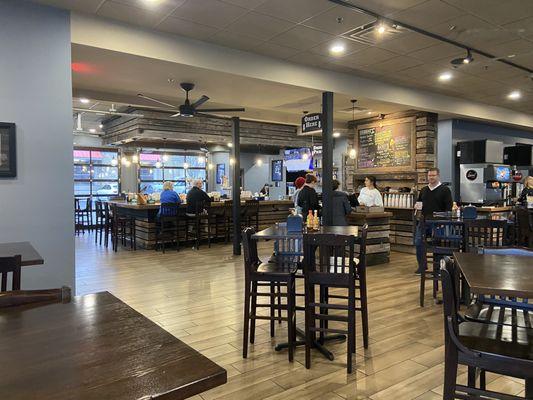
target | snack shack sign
x=311, y=123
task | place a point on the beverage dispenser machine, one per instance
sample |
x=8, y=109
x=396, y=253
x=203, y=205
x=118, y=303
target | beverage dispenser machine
x=485, y=184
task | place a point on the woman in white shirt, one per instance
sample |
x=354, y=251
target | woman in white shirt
x=369, y=195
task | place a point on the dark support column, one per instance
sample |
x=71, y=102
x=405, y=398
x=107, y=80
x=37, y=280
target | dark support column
x=236, y=185
x=327, y=158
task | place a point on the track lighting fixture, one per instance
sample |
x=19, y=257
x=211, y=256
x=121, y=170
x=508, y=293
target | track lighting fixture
x=463, y=60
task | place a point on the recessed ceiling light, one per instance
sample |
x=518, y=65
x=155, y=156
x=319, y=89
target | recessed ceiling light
x=84, y=100
x=445, y=76
x=511, y=56
x=101, y=126
x=369, y=113
x=337, y=48
x=381, y=29
x=92, y=130
x=514, y=95
x=336, y=134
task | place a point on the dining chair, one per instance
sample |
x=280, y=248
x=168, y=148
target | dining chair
x=444, y=238
x=167, y=226
x=485, y=233
x=258, y=274
x=329, y=262
x=501, y=349
x=10, y=265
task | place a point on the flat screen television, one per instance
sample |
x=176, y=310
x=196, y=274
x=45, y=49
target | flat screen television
x=296, y=161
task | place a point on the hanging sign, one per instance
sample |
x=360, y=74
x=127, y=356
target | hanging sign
x=311, y=123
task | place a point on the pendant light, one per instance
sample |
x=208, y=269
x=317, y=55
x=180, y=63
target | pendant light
x=353, y=153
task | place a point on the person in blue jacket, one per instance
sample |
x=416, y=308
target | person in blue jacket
x=168, y=196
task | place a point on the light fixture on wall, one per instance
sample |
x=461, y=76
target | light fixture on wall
x=259, y=162
x=210, y=166
x=352, y=154
x=230, y=145
x=336, y=134
x=124, y=160
x=135, y=159
x=231, y=161
x=128, y=163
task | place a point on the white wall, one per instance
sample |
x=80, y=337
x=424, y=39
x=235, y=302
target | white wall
x=35, y=94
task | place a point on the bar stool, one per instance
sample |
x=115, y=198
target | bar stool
x=82, y=216
x=267, y=274
x=167, y=226
x=250, y=213
x=228, y=219
x=335, y=266
x=123, y=229
x=217, y=217
x=198, y=225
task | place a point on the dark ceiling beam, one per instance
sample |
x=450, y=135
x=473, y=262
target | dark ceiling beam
x=429, y=34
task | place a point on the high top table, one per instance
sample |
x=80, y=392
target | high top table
x=96, y=347
x=29, y=255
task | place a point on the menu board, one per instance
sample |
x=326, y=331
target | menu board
x=386, y=147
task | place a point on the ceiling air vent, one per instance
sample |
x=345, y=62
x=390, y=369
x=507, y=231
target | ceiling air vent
x=371, y=33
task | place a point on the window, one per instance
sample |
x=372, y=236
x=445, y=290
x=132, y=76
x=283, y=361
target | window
x=96, y=173
x=156, y=168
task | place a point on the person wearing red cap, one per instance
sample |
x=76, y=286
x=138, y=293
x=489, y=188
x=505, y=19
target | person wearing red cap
x=298, y=183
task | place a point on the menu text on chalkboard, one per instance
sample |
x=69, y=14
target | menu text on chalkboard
x=386, y=147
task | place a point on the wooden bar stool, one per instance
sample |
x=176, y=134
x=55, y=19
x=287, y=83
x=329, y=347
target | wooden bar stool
x=334, y=267
x=198, y=225
x=250, y=213
x=123, y=229
x=267, y=274
x=167, y=226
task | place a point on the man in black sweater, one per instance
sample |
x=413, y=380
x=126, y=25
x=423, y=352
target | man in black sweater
x=435, y=197
x=197, y=198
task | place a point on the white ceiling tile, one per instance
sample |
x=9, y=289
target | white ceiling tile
x=517, y=47
x=161, y=6
x=209, y=12
x=131, y=15
x=186, y=28
x=496, y=11
x=427, y=14
x=311, y=59
x=386, y=7
x=250, y=4
x=395, y=64
x=438, y=52
x=371, y=55
x=350, y=46
x=407, y=43
x=235, y=41
x=274, y=50
x=526, y=60
x=259, y=25
x=329, y=21
x=294, y=10
x=301, y=38
x=523, y=27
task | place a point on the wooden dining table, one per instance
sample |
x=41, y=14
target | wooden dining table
x=29, y=255
x=96, y=347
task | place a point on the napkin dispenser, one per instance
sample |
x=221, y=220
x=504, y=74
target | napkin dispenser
x=295, y=223
x=469, y=212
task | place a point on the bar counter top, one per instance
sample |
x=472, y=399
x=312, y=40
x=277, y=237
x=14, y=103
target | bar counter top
x=370, y=215
x=155, y=206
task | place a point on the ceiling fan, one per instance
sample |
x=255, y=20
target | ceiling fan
x=189, y=109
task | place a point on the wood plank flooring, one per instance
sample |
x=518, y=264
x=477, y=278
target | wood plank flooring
x=198, y=295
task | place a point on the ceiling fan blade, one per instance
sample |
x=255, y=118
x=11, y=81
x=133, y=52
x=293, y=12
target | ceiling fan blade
x=200, y=101
x=155, y=100
x=221, y=110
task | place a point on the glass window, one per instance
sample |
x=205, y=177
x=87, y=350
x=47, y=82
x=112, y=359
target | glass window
x=94, y=174
x=172, y=160
x=196, y=174
x=196, y=161
x=180, y=187
x=149, y=159
x=150, y=174
x=174, y=174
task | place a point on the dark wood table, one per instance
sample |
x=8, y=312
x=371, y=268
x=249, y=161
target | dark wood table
x=279, y=232
x=96, y=347
x=501, y=275
x=30, y=256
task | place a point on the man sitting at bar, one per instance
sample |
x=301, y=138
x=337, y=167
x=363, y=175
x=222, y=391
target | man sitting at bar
x=168, y=196
x=435, y=197
x=196, y=195
x=308, y=198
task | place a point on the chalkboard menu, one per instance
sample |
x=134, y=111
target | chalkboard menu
x=387, y=146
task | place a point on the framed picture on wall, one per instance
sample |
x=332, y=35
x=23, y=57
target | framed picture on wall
x=221, y=171
x=8, y=150
x=277, y=171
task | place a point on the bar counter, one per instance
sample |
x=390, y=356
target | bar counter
x=270, y=212
x=378, y=237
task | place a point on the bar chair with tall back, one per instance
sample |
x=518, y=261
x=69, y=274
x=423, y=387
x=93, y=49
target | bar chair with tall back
x=485, y=233
x=123, y=229
x=82, y=216
x=10, y=265
x=267, y=274
x=334, y=267
x=250, y=213
x=198, y=225
x=445, y=237
x=167, y=227
x=228, y=219
x=501, y=349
